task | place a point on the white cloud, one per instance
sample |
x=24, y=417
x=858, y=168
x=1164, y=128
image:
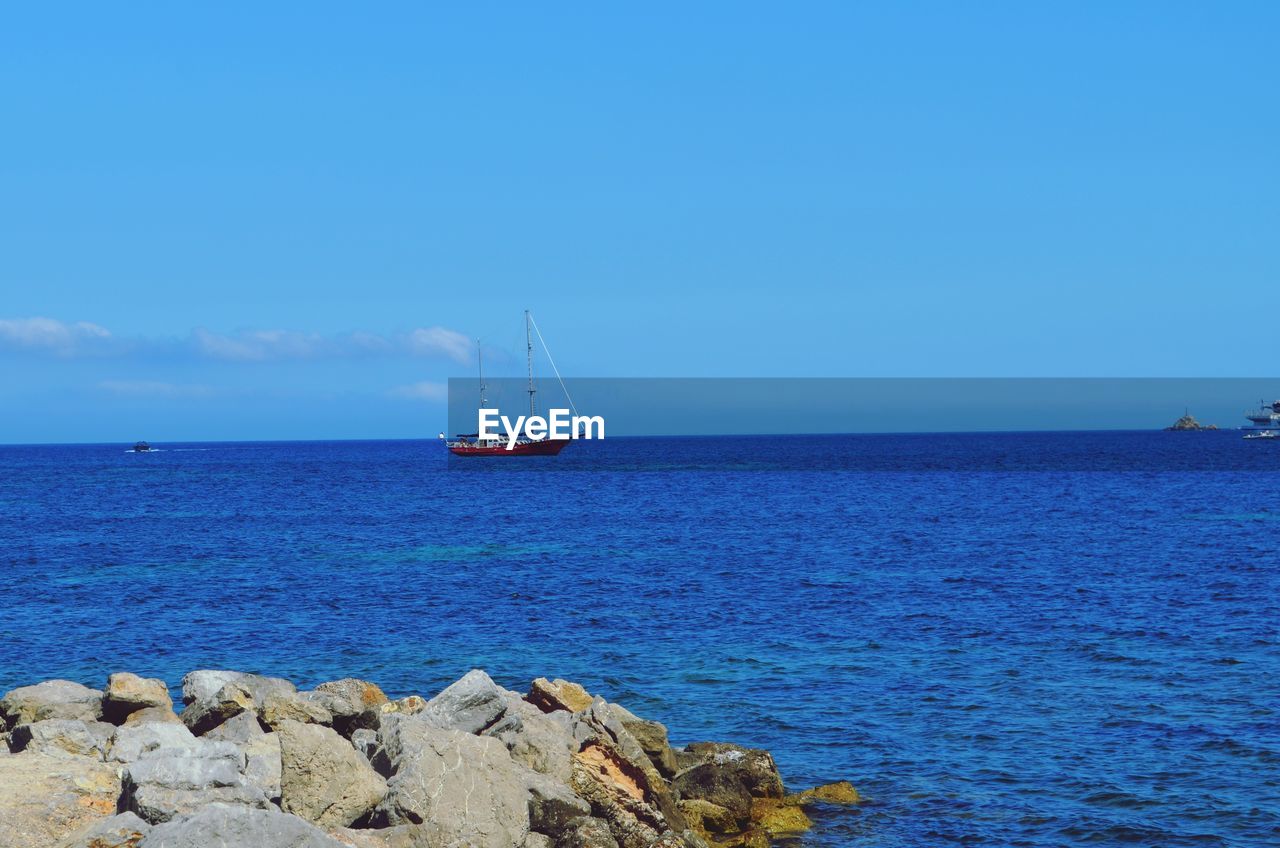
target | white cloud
x=51, y=335
x=438, y=340
x=60, y=338
x=258, y=345
x=422, y=391
x=153, y=389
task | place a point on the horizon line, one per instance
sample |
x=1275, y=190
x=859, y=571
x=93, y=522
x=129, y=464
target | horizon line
x=436, y=439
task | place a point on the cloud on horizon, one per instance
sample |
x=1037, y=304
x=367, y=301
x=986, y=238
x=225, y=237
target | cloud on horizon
x=426, y=390
x=49, y=336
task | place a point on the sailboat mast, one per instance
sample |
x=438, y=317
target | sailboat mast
x=528, y=340
x=480, y=361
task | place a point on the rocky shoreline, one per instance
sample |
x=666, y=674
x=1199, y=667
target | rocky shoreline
x=252, y=761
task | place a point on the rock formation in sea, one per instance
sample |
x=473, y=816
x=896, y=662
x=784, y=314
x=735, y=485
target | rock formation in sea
x=252, y=761
x=1188, y=422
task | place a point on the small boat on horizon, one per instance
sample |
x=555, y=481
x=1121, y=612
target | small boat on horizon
x=472, y=445
x=140, y=447
x=1263, y=434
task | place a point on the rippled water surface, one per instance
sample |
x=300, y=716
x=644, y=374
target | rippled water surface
x=1040, y=658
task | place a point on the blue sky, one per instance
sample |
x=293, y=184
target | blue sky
x=286, y=222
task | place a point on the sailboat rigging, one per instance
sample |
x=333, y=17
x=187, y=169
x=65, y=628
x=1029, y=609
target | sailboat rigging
x=473, y=445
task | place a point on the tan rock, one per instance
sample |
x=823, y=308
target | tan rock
x=616, y=792
x=45, y=798
x=776, y=816
x=551, y=695
x=400, y=836
x=163, y=715
x=289, y=706
x=324, y=779
x=123, y=830
x=127, y=693
x=410, y=705
x=841, y=792
x=707, y=818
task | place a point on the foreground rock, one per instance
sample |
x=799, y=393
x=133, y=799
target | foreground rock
x=253, y=761
x=462, y=789
x=227, y=826
x=52, y=699
x=61, y=737
x=124, y=830
x=324, y=779
x=44, y=799
x=170, y=783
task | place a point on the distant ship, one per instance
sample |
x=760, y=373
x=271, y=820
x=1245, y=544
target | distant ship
x=472, y=445
x=140, y=447
x=1266, y=417
x=1264, y=422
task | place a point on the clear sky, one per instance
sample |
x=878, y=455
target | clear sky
x=286, y=221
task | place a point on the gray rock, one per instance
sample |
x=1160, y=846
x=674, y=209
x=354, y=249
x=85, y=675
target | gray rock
x=587, y=833
x=124, y=830
x=169, y=783
x=127, y=693
x=323, y=778
x=542, y=741
x=51, y=699
x=240, y=728
x=652, y=737
x=461, y=788
x=538, y=840
x=365, y=741
x=261, y=751
x=470, y=704
x=130, y=742
x=721, y=787
x=353, y=703
x=754, y=767
x=43, y=798
x=552, y=804
x=226, y=826
x=212, y=697
x=204, y=714
x=61, y=737
x=204, y=684
x=263, y=766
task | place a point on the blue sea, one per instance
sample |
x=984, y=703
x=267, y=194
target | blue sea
x=1001, y=640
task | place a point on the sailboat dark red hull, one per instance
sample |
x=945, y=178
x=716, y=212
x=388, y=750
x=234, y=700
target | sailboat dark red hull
x=544, y=447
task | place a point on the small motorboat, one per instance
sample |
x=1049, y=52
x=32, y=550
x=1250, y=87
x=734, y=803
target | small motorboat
x=140, y=447
x=1263, y=434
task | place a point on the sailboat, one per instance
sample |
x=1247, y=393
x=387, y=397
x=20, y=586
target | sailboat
x=473, y=445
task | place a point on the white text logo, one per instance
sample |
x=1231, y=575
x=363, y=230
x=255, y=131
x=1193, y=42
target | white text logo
x=534, y=428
